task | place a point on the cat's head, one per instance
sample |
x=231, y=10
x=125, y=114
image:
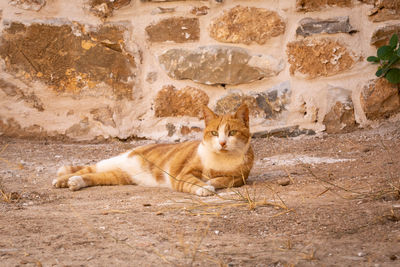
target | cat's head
x=227, y=133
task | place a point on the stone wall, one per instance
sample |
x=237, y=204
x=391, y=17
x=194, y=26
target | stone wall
x=93, y=69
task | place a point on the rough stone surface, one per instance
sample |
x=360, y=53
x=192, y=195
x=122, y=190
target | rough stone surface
x=319, y=57
x=151, y=77
x=382, y=35
x=171, y=129
x=186, y=130
x=310, y=26
x=267, y=104
x=163, y=10
x=70, y=59
x=19, y=95
x=315, y=5
x=188, y=101
x=105, y=8
x=340, y=118
x=384, y=10
x=339, y=111
x=242, y=25
x=34, y=5
x=285, y=132
x=380, y=99
x=274, y=101
x=10, y=127
x=177, y=29
x=81, y=128
x=231, y=102
x=218, y=65
x=103, y=115
x=200, y=11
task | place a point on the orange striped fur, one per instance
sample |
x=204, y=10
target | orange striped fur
x=223, y=158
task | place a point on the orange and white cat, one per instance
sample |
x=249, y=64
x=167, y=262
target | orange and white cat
x=222, y=159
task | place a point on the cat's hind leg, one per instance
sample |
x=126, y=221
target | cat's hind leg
x=65, y=172
x=116, y=177
x=66, y=169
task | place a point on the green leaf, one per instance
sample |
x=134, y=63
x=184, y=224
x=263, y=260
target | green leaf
x=394, y=40
x=372, y=59
x=393, y=59
x=393, y=76
x=379, y=72
x=385, y=52
x=398, y=52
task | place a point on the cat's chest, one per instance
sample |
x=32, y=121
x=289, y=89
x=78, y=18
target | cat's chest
x=219, y=163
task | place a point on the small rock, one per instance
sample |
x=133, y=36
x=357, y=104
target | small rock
x=146, y=205
x=284, y=181
x=365, y=149
x=361, y=254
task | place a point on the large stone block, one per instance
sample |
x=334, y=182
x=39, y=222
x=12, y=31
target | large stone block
x=384, y=10
x=380, y=99
x=231, y=102
x=266, y=104
x=188, y=101
x=310, y=26
x=176, y=29
x=382, y=34
x=218, y=65
x=71, y=59
x=319, y=57
x=34, y=5
x=275, y=100
x=315, y=5
x=340, y=117
x=242, y=25
x=105, y=8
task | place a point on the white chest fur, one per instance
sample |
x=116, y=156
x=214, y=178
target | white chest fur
x=219, y=162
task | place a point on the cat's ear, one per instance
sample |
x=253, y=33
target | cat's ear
x=243, y=114
x=209, y=115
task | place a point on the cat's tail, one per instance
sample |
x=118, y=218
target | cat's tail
x=64, y=170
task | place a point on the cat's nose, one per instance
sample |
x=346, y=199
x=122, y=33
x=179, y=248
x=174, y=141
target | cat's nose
x=222, y=143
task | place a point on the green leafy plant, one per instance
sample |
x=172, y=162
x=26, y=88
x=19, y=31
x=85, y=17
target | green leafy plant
x=387, y=57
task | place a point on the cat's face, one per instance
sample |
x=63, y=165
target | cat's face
x=227, y=133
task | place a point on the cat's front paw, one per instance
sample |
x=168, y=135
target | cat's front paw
x=76, y=183
x=60, y=182
x=206, y=190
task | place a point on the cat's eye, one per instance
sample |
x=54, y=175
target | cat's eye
x=232, y=133
x=214, y=133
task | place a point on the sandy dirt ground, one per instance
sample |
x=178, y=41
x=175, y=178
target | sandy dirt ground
x=325, y=200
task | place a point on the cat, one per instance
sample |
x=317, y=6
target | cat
x=222, y=159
